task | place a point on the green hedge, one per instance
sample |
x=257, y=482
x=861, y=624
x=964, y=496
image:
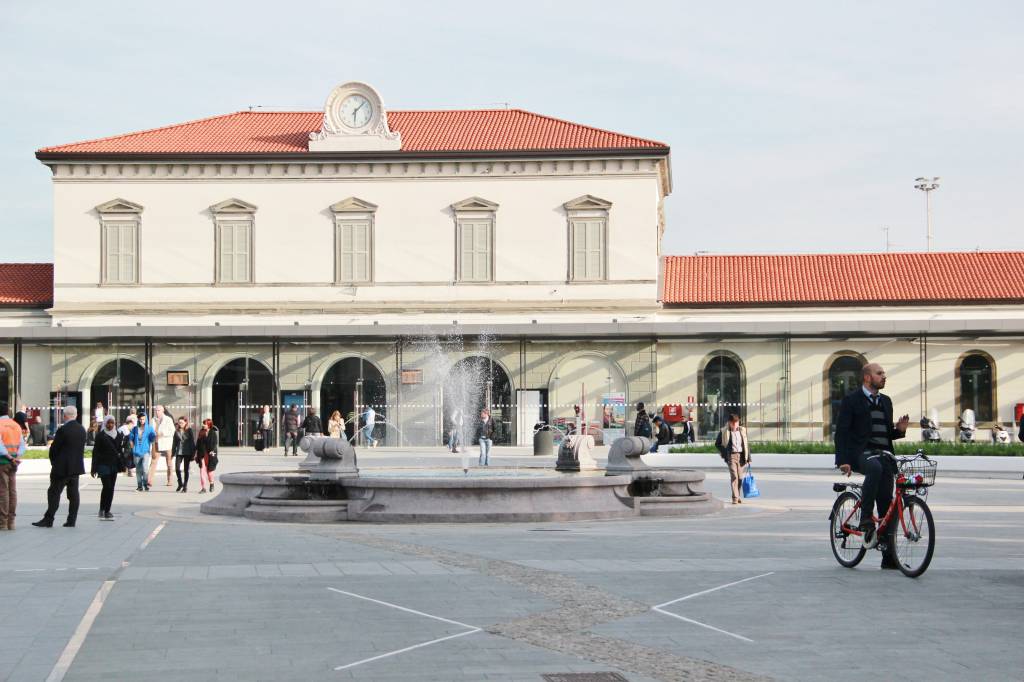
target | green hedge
x=797, y=447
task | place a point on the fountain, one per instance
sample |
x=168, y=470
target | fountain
x=329, y=486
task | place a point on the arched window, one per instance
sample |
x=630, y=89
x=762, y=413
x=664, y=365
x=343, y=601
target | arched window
x=721, y=388
x=842, y=375
x=977, y=385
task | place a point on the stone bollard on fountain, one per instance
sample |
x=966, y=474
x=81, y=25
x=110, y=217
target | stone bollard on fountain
x=332, y=458
x=624, y=455
x=574, y=454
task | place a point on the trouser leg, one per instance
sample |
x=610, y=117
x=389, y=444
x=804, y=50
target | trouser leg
x=871, y=466
x=140, y=471
x=53, y=497
x=8, y=496
x=734, y=475
x=107, y=494
x=177, y=468
x=187, y=465
x=73, y=499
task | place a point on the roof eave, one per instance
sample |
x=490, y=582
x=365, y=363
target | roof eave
x=616, y=152
x=839, y=304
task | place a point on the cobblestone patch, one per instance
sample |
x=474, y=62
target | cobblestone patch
x=566, y=629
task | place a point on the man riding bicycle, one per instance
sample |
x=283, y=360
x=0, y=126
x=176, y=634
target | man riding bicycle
x=865, y=428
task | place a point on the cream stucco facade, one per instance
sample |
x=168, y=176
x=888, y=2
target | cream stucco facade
x=279, y=320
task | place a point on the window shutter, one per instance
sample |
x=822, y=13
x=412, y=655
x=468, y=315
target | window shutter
x=354, y=251
x=242, y=241
x=126, y=248
x=579, y=250
x=468, y=273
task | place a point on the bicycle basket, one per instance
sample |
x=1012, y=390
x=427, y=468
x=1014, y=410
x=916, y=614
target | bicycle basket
x=917, y=472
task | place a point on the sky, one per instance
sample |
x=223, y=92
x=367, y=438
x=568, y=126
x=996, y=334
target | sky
x=795, y=127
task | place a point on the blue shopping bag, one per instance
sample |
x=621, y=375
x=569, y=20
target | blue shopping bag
x=750, y=485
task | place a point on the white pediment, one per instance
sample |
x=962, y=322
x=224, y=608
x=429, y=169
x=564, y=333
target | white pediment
x=119, y=206
x=233, y=206
x=474, y=204
x=354, y=121
x=353, y=205
x=587, y=202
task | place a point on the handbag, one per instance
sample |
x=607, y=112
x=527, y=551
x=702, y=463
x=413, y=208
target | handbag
x=750, y=485
x=211, y=461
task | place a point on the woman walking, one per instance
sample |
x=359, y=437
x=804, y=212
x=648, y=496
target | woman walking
x=207, y=444
x=107, y=462
x=184, y=448
x=334, y=425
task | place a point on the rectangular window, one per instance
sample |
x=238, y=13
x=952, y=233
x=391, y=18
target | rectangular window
x=588, y=236
x=120, y=241
x=475, y=251
x=235, y=257
x=354, y=256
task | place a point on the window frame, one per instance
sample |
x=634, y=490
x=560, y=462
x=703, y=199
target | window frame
x=587, y=209
x=475, y=211
x=119, y=213
x=234, y=213
x=349, y=212
x=960, y=398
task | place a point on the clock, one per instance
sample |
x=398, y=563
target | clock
x=355, y=111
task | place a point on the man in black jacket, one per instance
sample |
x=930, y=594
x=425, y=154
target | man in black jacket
x=864, y=428
x=67, y=463
x=312, y=425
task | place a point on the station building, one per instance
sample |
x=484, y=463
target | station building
x=415, y=260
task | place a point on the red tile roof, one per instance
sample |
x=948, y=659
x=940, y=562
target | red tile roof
x=260, y=132
x=843, y=279
x=26, y=285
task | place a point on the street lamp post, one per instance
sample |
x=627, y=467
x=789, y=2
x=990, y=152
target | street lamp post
x=927, y=185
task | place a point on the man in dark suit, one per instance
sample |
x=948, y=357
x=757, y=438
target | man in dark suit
x=67, y=463
x=864, y=428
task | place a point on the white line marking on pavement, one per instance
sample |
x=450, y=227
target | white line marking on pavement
x=660, y=607
x=714, y=589
x=703, y=625
x=28, y=570
x=67, y=656
x=402, y=608
x=408, y=648
x=152, y=535
x=471, y=629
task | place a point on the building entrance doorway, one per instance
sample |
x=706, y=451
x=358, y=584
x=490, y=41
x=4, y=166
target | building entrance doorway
x=240, y=389
x=472, y=384
x=348, y=387
x=119, y=385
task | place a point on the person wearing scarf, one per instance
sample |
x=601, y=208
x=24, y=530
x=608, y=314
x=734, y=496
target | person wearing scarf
x=107, y=462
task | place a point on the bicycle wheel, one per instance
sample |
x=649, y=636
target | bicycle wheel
x=913, y=540
x=848, y=549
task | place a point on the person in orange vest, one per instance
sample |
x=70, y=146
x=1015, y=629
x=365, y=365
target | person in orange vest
x=10, y=457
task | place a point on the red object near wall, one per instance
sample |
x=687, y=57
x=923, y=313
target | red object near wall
x=1018, y=410
x=673, y=414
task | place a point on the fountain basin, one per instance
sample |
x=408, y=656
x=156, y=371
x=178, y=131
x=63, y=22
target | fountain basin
x=488, y=495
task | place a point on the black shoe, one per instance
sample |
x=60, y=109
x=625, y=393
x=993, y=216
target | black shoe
x=138, y=489
x=101, y=513
x=69, y=524
x=211, y=487
x=147, y=488
x=107, y=516
x=43, y=523
x=179, y=488
x=184, y=489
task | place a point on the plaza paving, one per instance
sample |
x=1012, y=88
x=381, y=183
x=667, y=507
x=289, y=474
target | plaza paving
x=753, y=592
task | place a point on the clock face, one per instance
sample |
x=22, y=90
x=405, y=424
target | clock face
x=356, y=111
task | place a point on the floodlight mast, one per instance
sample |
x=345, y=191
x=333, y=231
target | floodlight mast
x=927, y=185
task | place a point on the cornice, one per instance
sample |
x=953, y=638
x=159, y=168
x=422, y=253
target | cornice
x=81, y=170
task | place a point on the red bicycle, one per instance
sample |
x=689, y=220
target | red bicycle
x=911, y=541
